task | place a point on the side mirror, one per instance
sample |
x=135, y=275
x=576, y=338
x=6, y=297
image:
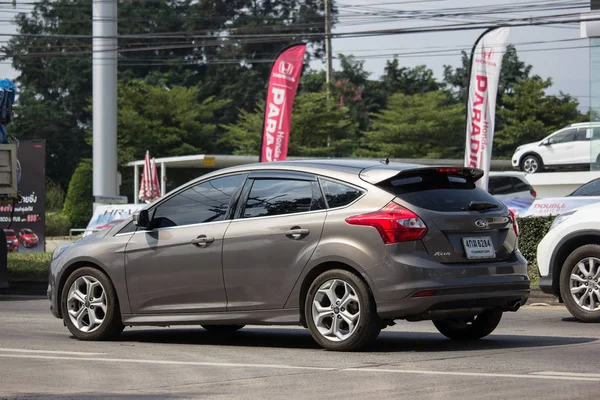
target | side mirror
x=545, y=142
x=141, y=219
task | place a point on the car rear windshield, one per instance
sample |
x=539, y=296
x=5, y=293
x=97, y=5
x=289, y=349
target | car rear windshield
x=9, y=232
x=438, y=191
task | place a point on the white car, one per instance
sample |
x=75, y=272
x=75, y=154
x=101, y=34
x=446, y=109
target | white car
x=510, y=185
x=570, y=147
x=569, y=261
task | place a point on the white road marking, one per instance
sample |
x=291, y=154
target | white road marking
x=71, y=353
x=554, y=373
x=556, y=376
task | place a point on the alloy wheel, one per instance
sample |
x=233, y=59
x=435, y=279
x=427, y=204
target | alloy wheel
x=86, y=304
x=530, y=165
x=585, y=284
x=336, y=310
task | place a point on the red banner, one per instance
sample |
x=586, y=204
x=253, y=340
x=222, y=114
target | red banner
x=283, y=85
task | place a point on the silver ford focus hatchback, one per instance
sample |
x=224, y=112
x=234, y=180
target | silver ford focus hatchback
x=342, y=248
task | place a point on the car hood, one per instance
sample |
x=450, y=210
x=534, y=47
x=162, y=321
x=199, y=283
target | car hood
x=29, y=236
x=528, y=146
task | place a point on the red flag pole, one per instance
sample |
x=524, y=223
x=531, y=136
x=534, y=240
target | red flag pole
x=283, y=85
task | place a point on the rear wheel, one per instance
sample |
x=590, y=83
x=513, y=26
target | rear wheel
x=89, y=305
x=222, y=329
x=473, y=328
x=532, y=164
x=340, y=312
x=580, y=283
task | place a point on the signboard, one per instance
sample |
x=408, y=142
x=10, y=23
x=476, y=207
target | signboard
x=106, y=216
x=28, y=218
x=548, y=207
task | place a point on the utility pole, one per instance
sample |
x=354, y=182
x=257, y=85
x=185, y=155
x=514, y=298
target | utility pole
x=328, y=67
x=104, y=66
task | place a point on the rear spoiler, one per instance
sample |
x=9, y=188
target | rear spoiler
x=376, y=175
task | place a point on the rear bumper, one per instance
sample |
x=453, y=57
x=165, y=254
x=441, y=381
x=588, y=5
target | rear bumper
x=466, y=288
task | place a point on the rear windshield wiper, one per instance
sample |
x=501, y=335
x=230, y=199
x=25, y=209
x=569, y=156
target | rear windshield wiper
x=481, y=206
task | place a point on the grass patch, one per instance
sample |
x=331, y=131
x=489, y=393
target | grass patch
x=31, y=267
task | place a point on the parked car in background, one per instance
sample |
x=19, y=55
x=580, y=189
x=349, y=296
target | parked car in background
x=12, y=243
x=28, y=238
x=569, y=261
x=510, y=185
x=569, y=147
x=343, y=248
x=592, y=188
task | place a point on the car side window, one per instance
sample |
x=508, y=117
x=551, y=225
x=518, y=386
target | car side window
x=520, y=186
x=279, y=197
x=589, y=189
x=338, y=194
x=563, y=137
x=204, y=202
x=500, y=185
x=583, y=134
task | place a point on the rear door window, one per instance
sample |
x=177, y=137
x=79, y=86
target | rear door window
x=520, y=186
x=438, y=191
x=500, y=185
x=270, y=197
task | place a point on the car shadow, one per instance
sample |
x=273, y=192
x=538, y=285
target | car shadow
x=301, y=339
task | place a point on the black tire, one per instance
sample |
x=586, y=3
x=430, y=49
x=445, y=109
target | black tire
x=569, y=267
x=477, y=328
x=369, y=324
x=112, y=324
x=536, y=159
x=222, y=329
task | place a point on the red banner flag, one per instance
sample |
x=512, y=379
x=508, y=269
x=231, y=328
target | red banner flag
x=283, y=85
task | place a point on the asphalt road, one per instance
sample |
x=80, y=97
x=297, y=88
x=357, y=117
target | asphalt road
x=537, y=353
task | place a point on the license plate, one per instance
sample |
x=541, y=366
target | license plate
x=479, y=247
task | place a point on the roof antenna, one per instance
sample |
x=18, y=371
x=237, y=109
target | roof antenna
x=387, y=161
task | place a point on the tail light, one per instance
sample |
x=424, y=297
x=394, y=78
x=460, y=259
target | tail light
x=393, y=222
x=533, y=193
x=515, y=225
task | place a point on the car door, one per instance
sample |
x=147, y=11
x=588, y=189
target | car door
x=581, y=146
x=277, y=228
x=559, y=148
x=176, y=266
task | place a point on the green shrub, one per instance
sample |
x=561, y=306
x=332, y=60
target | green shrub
x=533, y=231
x=29, y=267
x=79, y=201
x=55, y=196
x=57, y=224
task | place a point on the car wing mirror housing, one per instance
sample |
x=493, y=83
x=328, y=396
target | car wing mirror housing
x=141, y=219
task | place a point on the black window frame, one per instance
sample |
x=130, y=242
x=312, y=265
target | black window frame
x=278, y=175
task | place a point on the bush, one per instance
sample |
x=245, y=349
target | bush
x=533, y=230
x=55, y=196
x=57, y=224
x=79, y=201
x=29, y=267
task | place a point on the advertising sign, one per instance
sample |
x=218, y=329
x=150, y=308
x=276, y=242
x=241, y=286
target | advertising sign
x=283, y=84
x=106, y=216
x=26, y=233
x=549, y=206
x=486, y=61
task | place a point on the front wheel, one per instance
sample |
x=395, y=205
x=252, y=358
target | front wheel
x=89, y=305
x=473, y=328
x=340, y=312
x=580, y=283
x=532, y=164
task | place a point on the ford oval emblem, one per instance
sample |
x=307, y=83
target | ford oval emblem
x=481, y=223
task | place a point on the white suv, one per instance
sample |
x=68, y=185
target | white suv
x=569, y=147
x=569, y=261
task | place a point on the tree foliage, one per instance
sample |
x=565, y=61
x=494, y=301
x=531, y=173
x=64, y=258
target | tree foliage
x=79, y=200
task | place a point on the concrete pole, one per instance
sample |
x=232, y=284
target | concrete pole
x=163, y=179
x=104, y=16
x=328, y=50
x=136, y=184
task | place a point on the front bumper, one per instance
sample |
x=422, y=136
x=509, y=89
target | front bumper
x=456, y=289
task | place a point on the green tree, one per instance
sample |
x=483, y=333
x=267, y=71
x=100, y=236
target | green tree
x=316, y=122
x=423, y=125
x=165, y=121
x=408, y=80
x=79, y=200
x=530, y=114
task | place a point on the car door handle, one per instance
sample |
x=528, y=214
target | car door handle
x=297, y=233
x=203, y=241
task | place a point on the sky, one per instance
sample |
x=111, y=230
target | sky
x=565, y=61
